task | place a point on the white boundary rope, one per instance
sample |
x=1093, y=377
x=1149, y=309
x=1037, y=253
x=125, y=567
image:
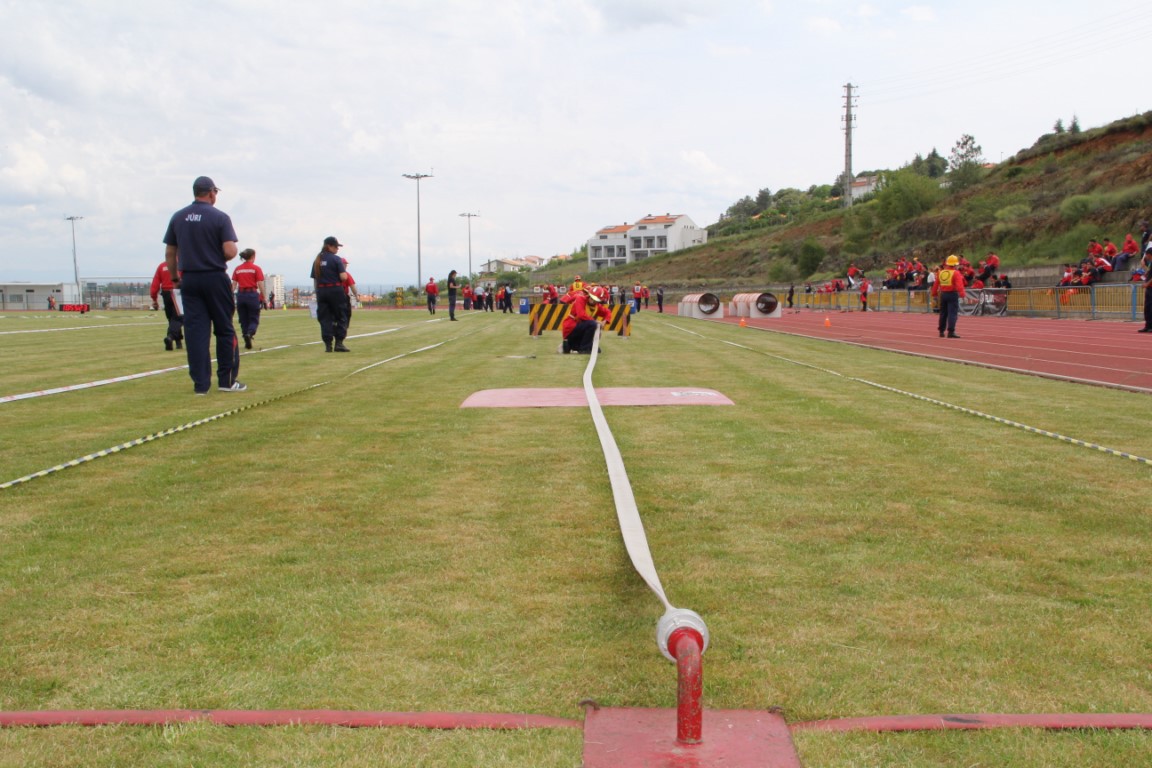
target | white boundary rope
x=133, y=376
x=200, y=422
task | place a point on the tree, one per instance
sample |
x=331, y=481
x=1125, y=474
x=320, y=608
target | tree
x=811, y=255
x=763, y=200
x=1059, y=127
x=906, y=194
x=1075, y=127
x=743, y=208
x=966, y=163
x=937, y=165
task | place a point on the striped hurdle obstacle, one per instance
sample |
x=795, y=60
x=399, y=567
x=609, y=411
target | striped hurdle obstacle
x=549, y=317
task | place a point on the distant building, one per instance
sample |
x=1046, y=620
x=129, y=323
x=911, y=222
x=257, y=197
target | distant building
x=510, y=265
x=620, y=244
x=864, y=185
x=274, y=285
x=35, y=295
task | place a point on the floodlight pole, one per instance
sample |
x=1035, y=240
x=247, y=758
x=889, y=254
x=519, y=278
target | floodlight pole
x=75, y=264
x=470, y=216
x=417, y=177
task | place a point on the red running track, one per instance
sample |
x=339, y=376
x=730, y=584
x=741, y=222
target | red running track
x=1100, y=352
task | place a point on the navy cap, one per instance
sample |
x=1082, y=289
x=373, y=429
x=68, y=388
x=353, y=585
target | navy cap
x=330, y=240
x=204, y=184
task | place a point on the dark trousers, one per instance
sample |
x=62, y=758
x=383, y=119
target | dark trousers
x=949, y=310
x=431, y=303
x=582, y=337
x=332, y=312
x=451, y=305
x=1148, y=306
x=248, y=311
x=175, y=321
x=208, y=309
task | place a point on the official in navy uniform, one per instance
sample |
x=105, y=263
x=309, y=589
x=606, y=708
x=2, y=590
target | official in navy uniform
x=329, y=277
x=199, y=243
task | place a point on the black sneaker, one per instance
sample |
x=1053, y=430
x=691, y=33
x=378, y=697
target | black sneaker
x=247, y=341
x=953, y=336
x=340, y=347
x=167, y=344
x=327, y=346
x=179, y=343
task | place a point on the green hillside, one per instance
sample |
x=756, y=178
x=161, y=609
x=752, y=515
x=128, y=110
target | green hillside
x=1038, y=207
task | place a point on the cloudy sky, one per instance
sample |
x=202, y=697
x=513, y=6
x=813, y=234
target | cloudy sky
x=549, y=118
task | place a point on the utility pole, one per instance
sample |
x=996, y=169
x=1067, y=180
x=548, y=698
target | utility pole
x=849, y=121
x=417, y=177
x=470, y=216
x=75, y=264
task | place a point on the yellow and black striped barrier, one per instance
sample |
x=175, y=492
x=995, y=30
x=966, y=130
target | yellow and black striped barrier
x=549, y=317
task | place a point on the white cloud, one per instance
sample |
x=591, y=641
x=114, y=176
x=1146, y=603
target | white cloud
x=823, y=25
x=551, y=117
x=919, y=13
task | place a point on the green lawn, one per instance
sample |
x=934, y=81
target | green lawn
x=368, y=545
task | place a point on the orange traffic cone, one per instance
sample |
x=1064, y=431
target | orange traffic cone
x=743, y=323
x=827, y=322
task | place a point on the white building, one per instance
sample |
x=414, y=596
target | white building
x=35, y=295
x=274, y=286
x=863, y=185
x=621, y=244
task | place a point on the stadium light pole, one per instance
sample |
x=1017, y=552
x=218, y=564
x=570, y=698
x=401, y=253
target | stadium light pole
x=417, y=177
x=75, y=264
x=470, y=216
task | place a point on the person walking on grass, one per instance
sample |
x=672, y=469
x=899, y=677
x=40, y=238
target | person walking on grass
x=451, y=286
x=248, y=283
x=162, y=291
x=329, y=278
x=199, y=243
x=431, y=291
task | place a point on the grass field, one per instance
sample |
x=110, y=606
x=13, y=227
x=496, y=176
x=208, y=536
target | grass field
x=366, y=544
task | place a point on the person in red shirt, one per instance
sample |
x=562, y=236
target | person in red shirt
x=466, y=292
x=1095, y=249
x=248, y=283
x=637, y=294
x=949, y=289
x=162, y=289
x=431, y=291
x=349, y=293
x=586, y=307
x=1128, y=251
x=991, y=266
x=865, y=289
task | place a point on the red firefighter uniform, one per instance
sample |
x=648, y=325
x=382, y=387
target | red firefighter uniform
x=162, y=289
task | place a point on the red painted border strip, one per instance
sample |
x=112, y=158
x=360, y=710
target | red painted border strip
x=978, y=722
x=329, y=717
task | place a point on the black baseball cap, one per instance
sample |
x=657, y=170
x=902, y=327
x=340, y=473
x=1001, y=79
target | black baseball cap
x=330, y=240
x=204, y=184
